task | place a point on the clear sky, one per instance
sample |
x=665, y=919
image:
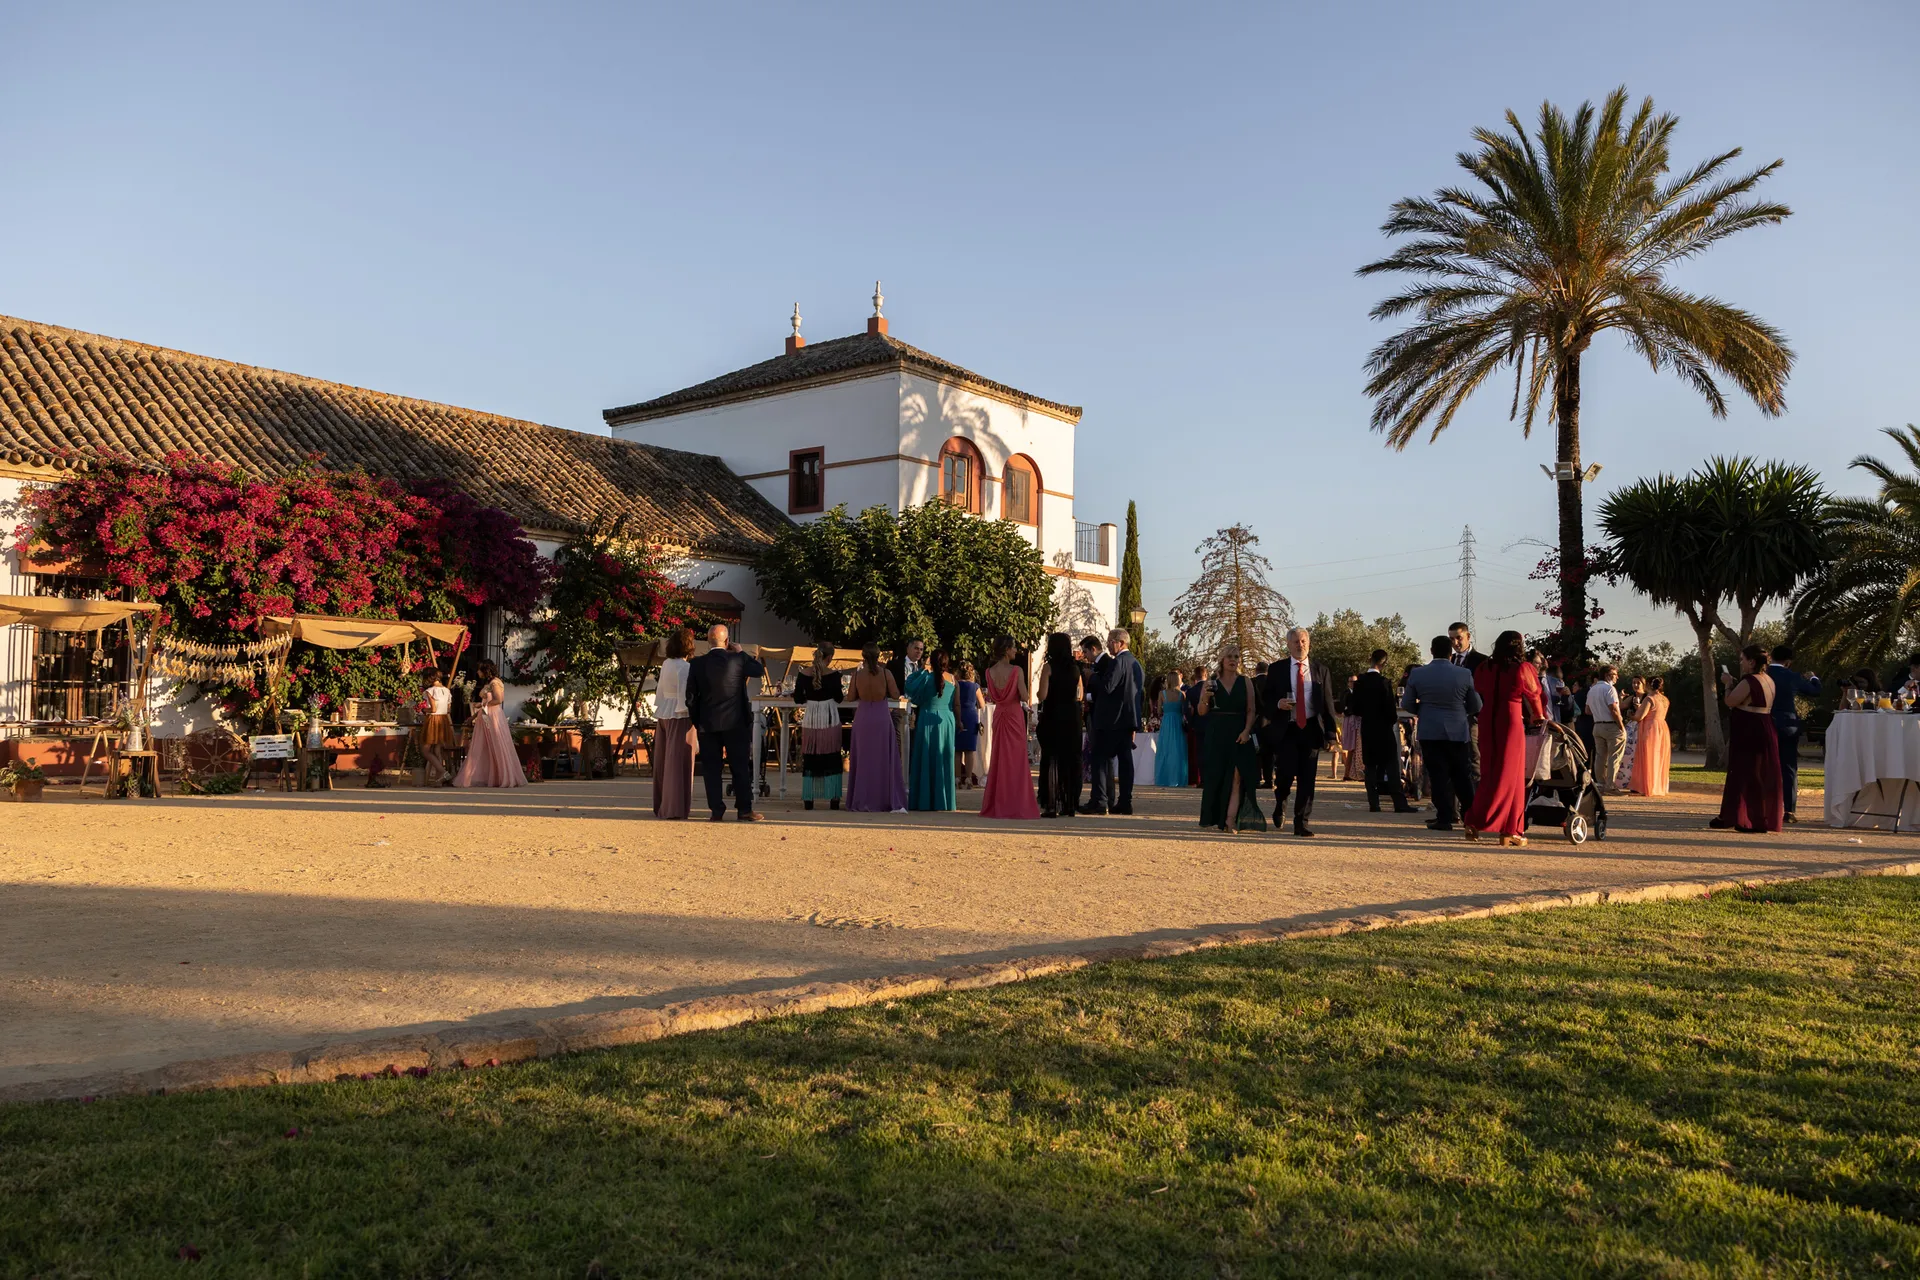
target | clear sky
x=1151, y=211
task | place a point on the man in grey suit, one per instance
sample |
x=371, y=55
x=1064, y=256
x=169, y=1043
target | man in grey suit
x=1443, y=695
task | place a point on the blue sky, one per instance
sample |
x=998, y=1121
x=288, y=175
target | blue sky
x=1154, y=212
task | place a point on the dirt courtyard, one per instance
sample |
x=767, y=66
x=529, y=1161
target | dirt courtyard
x=136, y=933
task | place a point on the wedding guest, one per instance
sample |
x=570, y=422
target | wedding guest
x=1603, y=704
x=1089, y=652
x=1009, y=792
x=437, y=734
x=1789, y=686
x=1751, y=800
x=1192, y=690
x=930, y=768
x=1350, y=744
x=1582, y=718
x=907, y=659
x=1653, y=760
x=1059, y=729
x=1374, y=707
x=819, y=690
x=1116, y=699
x=491, y=760
x=1262, y=733
x=876, y=781
x=1413, y=765
x=1465, y=655
x=674, y=737
x=1630, y=731
x=1442, y=696
x=968, y=703
x=1170, y=761
x=717, y=703
x=1300, y=711
x=1509, y=692
x=1229, y=771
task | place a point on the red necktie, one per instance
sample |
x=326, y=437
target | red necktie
x=1300, y=694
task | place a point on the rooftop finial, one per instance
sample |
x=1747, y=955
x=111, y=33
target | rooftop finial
x=796, y=319
x=878, y=298
x=877, y=322
x=795, y=342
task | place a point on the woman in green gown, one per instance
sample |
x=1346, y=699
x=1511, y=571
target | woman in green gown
x=1229, y=766
x=930, y=762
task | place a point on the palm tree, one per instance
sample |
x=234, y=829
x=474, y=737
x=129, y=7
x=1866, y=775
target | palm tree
x=1864, y=605
x=1569, y=233
x=1734, y=534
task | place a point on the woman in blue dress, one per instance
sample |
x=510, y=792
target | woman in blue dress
x=930, y=762
x=967, y=702
x=1170, y=759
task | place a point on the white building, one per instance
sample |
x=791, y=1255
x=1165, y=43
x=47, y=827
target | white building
x=868, y=421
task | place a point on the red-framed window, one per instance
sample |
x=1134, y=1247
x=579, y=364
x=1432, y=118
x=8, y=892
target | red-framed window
x=960, y=475
x=806, y=481
x=1020, y=491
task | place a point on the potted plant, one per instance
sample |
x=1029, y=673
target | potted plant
x=25, y=779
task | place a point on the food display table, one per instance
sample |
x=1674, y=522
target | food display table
x=1873, y=770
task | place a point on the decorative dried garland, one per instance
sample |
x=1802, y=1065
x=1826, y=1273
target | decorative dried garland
x=183, y=659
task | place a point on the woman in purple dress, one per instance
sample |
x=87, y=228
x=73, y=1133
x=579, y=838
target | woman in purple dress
x=875, y=782
x=1752, y=799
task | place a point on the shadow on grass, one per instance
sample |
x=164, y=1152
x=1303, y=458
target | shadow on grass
x=1682, y=1088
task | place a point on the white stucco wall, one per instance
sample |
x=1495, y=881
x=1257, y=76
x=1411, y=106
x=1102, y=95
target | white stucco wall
x=851, y=420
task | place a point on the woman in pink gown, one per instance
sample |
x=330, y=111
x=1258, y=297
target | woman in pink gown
x=1009, y=792
x=491, y=760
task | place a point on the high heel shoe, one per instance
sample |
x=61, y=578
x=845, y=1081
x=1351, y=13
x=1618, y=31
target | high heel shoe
x=1513, y=842
x=1471, y=833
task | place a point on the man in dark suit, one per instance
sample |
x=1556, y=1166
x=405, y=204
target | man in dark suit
x=1262, y=735
x=1299, y=711
x=1789, y=684
x=1465, y=655
x=907, y=659
x=717, y=703
x=1379, y=711
x=1117, y=686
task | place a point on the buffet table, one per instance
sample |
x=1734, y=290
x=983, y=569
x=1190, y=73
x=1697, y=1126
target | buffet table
x=1873, y=770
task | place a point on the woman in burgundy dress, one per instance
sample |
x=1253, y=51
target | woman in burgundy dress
x=1509, y=691
x=1752, y=799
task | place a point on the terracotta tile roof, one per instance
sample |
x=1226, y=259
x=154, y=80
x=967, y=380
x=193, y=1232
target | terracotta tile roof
x=62, y=390
x=827, y=361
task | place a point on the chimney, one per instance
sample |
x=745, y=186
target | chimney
x=794, y=340
x=877, y=323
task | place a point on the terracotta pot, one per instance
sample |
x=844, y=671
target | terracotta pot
x=28, y=790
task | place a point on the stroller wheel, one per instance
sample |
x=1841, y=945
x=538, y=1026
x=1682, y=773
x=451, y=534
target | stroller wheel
x=1576, y=827
x=1600, y=827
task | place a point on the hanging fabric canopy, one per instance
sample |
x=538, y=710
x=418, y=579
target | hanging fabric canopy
x=360, y=633
x=57, y=614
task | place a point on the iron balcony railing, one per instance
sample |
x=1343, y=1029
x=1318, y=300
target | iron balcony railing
x=1088, y=546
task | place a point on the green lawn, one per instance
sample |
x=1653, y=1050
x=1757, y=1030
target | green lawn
x=1812, y=776
x=1683, y=1089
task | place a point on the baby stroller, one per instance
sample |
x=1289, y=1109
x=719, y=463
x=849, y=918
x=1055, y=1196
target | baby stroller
x=1568, y=796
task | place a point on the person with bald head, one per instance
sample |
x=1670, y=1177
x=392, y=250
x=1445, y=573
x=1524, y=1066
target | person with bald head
x=717, y=704
x=1299, y=711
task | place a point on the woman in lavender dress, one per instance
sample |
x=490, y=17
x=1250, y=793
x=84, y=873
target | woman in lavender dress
x=875, y=780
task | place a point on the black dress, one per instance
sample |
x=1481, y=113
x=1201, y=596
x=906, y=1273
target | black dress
x=1059, y=734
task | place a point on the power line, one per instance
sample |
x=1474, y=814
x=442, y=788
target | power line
x=1321, y=564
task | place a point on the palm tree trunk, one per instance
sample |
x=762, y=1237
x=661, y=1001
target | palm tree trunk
x=1710, y=697
x=1573, y=539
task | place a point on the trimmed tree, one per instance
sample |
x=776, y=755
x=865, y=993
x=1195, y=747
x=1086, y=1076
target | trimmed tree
x=1735, y=534
x=1130, y=583
x=1231, y=602
x=931, y=572
x=1562, y=236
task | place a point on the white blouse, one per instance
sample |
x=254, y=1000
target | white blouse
x=670, y=693
x=439, y=700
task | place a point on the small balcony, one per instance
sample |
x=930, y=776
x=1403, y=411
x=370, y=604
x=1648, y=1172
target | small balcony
x=1093, y=543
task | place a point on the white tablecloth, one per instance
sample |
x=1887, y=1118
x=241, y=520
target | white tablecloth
x=1873, y=770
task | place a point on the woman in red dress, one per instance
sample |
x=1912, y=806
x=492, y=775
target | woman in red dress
x=1009, y=792
x=1509, y=691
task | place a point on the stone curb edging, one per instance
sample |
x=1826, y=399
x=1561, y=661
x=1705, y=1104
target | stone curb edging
x=549, y=1037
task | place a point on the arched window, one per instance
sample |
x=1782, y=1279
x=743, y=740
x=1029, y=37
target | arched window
x=1020, y=491
x=960, y=475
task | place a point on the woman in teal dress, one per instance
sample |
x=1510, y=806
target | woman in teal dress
x=930, y=763
x=1170, y=755
x=1229, y=766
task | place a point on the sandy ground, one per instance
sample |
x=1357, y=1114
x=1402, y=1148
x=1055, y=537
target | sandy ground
x=134, y=933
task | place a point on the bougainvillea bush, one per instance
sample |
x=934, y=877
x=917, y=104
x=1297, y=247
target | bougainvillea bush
x=218, y=549
x=609, y=590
